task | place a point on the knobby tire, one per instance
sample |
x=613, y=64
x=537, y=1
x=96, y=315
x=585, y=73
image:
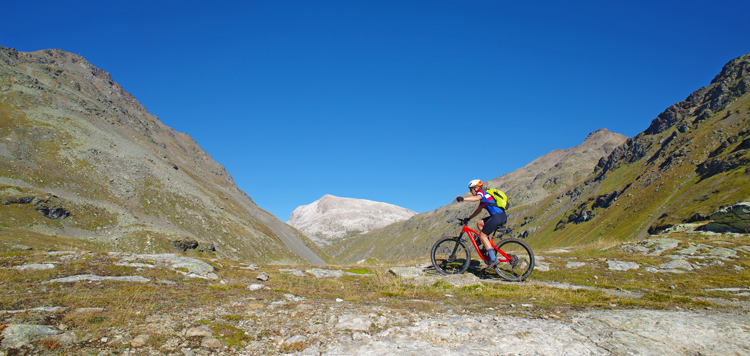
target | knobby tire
x=522, y=263
x=450, y=256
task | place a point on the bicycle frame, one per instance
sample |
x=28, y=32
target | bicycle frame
x=474, y=236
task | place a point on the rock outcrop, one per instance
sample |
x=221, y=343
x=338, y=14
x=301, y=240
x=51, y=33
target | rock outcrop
x=735, y=217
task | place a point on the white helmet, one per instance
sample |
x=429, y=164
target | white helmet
x=475, y=183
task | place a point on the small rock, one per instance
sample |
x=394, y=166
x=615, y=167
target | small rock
x=574, y=264
x=263, y=276
x=211, y=343
x=139, y=341
x=255, y=287
x=199, y=331
x=406, y=272
x=541, y=266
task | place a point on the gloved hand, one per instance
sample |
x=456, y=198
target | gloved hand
x=459, y=199
x=465, y=221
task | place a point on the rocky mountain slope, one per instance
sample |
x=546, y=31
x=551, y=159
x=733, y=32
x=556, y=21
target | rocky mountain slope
x=546, y=175
x=693, y=159
x=330, y=219
x=83, y=163
x=556, y=171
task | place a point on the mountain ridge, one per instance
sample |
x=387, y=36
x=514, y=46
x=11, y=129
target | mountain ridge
x=73, y=139
x=692, y=159
x=413, y=237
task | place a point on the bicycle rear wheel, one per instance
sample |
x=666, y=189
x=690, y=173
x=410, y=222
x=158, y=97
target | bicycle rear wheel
x=450, y=256
x=521, y=260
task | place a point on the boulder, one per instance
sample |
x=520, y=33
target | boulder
x=18, y=335
x=731, y=218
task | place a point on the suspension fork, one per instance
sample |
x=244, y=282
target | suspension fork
x=455, y=247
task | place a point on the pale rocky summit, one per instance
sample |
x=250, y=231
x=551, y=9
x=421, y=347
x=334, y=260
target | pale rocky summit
x=332, y=218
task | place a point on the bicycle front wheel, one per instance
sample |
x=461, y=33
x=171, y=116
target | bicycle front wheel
x=520, y=262
x=450, y=256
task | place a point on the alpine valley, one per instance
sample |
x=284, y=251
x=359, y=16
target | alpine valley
x=83, y=165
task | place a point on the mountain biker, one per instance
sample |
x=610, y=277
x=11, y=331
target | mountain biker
x=486, y=225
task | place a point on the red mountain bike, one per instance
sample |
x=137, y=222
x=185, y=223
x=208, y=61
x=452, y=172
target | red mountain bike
x=451, y=256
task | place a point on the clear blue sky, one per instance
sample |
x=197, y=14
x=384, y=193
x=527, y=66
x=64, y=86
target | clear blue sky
x=402, y=102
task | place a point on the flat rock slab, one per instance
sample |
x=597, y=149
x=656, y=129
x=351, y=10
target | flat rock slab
x=39, y=309
x=617, y=332
x=35, y=266
x=325, y=273
x=92, y=277
x=354, y=322
x=194, y=266
x=675, y=264
x=406, y=272
x=575, y=264
x=658, y=245
x=622, y=266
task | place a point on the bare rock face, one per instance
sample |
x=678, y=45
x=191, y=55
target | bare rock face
x=331, y=218
x=732, y=218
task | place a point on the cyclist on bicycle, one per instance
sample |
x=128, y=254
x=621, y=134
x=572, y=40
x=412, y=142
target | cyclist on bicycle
x=487, y=225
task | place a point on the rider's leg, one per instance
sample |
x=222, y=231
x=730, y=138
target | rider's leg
x=482, y=236
x=486, y=241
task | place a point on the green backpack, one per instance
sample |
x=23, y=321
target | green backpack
x=501, y=200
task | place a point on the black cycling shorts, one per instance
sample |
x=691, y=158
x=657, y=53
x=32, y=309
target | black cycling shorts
x=493, y=221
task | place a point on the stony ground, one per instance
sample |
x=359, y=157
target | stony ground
x=117, y=303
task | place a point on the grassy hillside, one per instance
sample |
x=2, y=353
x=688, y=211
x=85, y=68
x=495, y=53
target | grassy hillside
x=83, y=161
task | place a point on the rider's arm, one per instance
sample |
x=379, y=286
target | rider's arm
x=477, y=211
x=473, y=198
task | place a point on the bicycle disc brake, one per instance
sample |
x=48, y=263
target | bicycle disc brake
x=513, y=261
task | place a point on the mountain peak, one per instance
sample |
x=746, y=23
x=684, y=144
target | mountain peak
x=332, y=218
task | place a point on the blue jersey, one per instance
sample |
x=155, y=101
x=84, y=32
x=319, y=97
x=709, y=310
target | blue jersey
x=487, y=198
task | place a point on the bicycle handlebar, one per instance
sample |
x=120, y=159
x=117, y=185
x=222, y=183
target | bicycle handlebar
x=462, y=222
